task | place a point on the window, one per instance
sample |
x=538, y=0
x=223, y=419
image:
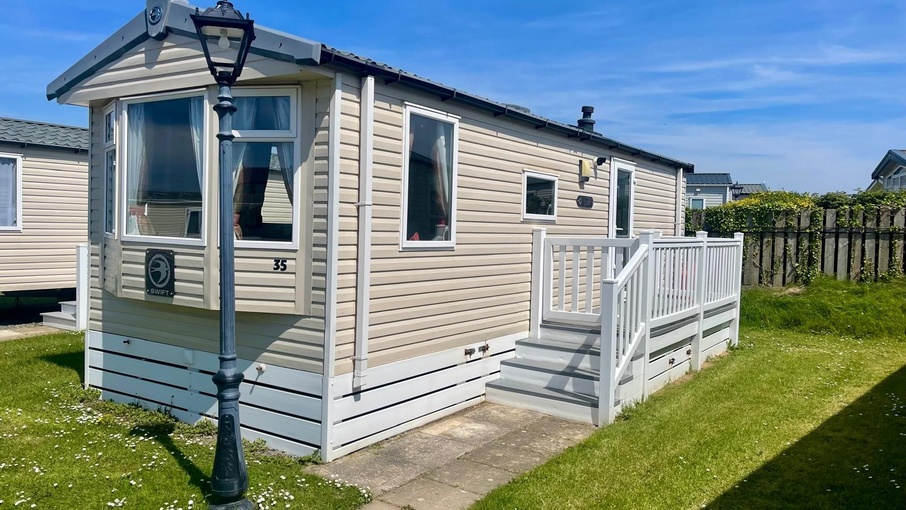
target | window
x=539, y=198
x=164, y=160
x=696, y=203
x=110, y=169
x=897, y=180
x=622, y=198
x=429, y=179
x=264, y=166
x=10, y=192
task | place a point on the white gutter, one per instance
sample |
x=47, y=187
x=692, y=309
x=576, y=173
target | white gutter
x=363, y=263
x=333, y=247
x=680, y=205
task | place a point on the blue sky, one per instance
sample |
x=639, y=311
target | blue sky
x=803, y=95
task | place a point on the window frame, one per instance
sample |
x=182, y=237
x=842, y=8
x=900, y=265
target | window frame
x=898, y=175
x=547, y=218
x=110, y=145
x=205, y=161
x=424, y=111
x=292, y=135
x=617, y=166
x=692, y=202
x=18, y=193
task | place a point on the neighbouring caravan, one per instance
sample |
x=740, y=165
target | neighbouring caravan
x=391, y=237
x=43, y=204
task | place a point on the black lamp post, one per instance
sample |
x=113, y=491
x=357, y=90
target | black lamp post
x=225, y=37
x=736, y=190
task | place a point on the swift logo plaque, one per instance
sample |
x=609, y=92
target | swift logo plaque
x=159, y=269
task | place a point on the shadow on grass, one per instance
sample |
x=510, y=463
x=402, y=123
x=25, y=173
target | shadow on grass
x=854, y=460
x=161, y=432
x=73, y=360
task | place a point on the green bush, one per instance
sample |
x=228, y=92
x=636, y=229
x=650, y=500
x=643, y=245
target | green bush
x=828, y=306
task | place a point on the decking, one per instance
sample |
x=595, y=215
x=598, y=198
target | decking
x=657, y=306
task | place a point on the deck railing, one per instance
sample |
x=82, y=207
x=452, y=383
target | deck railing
x=629, y=287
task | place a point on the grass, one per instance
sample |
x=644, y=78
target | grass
x=788, y=420
x=60, y=447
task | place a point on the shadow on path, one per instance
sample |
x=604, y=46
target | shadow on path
x=854, y=460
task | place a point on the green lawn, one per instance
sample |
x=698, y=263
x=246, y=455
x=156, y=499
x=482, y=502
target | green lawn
x=787, y=420
x=62, y=448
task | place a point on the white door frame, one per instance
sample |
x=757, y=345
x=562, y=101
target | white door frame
x=616, y=166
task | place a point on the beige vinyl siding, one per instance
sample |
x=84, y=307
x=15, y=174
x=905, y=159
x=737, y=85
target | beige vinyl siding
x=426, y=301
x=54, y=220
x=655, y=199
x=156, y=66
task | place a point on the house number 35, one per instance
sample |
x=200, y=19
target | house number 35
x=279, y=264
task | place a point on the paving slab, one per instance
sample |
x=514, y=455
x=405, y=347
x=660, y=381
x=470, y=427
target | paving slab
x=376, y=473
x=427, y=494
x=426, y=450
x=508, y=417
x=548, y=435
x=510, y=458
x=471, y=476
x=377, y=504
x=25, y=332
x=463, y=429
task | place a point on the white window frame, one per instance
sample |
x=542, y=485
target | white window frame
x=406, y=244
x=693, y=199
x=549, y=218
x=616, y=166
x=293, y=135
x=18, y=226
x=110, y=145
x=122, y=157
x=897, y=179
x=189, y=212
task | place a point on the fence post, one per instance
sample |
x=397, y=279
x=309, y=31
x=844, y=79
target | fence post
x=538, y=285
x=608, y=356
x=82, y=288
x=737, y=287
x=647, y=237
x=702, y=278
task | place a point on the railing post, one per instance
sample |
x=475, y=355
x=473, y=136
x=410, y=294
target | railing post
x=538, y=283
x=608, y=356
x=701, y=283
x=737, y=287
x=82, y=288
x=647, y=237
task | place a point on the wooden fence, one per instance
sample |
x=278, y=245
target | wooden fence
x=856, y=245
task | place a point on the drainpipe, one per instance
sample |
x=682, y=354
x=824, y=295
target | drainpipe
x=363, y=262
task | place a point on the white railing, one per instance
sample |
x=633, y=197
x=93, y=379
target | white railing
x=645, y=283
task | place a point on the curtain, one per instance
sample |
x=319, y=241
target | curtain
x=245, y=117
x=287, y=165
x=441, y=182
x=196, y=123
x=8, y=193
x=135, y=167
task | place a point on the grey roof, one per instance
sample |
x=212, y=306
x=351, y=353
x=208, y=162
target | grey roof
x=280, y=46
x=709, y=179
x=27, y=132
x=896, y=155
x=748, y=189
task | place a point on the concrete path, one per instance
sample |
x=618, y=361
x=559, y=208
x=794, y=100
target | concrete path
x=453, y=462
x=26, y=331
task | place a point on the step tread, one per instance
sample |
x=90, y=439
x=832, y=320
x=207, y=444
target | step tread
x=69, y=303
x=551, y=367
x=560, y=345
x=59, y=315
x=529, y=389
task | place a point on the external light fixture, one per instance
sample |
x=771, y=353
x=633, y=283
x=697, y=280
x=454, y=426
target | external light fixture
x=226, y=36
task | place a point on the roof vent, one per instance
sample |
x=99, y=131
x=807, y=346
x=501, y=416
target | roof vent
x=586, y=123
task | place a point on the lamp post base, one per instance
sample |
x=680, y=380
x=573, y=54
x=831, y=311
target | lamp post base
x=242, y=504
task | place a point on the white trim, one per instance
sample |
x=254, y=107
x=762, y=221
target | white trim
x=680, y=225
x=547, y=218
x=18, y=194
x=693, y=199
x=293, y=92
x=405, y=244
x=333, y=238
x=617, y=165
x=123, y=204
x=363, y=262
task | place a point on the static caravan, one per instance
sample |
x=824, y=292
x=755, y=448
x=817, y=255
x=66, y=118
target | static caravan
x=43, y=204
x=391, y=234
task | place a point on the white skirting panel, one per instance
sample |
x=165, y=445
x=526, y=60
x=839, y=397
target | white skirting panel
x=280, y=405
x=407, y=394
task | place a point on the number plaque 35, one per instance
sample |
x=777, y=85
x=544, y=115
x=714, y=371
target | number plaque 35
x=280, y=265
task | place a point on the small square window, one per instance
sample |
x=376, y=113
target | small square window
x=539, y=196
x=696, y=203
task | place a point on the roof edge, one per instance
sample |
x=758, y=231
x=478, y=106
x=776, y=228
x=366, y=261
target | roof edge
x=891, y=155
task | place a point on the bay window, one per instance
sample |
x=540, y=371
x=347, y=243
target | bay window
x=429, y=179
x=165, y=161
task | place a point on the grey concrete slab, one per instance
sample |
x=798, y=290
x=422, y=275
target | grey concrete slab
x=378, y=474
x=466, y=430
x=471, y=476
x=548, y=435
x=496, y=414
x=380, y=505
x=426, y=494
x=502, y=456
x=423, y=449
